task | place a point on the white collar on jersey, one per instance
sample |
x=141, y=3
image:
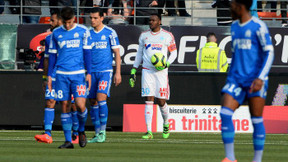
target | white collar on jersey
x=155, y=33
x=75, y=24
x=99, y=30
x=243, y=24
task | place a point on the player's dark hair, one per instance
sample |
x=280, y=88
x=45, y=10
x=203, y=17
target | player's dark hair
x=211, y=34
x=246, y=3
x=97, y=10
x=57, y=13
x=158, y=15
x=67, y=13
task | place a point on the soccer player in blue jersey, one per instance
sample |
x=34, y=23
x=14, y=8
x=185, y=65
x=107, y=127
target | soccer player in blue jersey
x=46, y=137
x=70, y=54
x=104, y=43
x=247, y=79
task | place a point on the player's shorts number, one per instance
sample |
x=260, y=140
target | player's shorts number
x=145, y=91
x=50, y=94
x=232, y=88
x=60, y=94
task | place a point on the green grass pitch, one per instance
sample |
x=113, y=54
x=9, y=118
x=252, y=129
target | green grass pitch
x=119, y=146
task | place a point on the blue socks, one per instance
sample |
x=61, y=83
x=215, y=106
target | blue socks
x=66, y=121
x=82, y=117
x=103, y=109
x=75, y=122
x=48, y=120
x=94, y=113
x=228, y=132
x=258, y=137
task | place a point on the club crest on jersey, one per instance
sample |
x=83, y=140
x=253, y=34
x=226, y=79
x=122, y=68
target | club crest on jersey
x=76, y=35
x=248, y=34
x=102, y=85
x=163, y=92
x=103, y=37
x=60, y=36
x=81, y=90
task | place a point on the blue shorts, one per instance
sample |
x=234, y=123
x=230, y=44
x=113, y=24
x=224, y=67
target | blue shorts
x=70, y=84
x=50, y=95
x=241, y=93
x=101, y=83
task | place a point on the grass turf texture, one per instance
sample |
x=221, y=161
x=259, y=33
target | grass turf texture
x=119, y=146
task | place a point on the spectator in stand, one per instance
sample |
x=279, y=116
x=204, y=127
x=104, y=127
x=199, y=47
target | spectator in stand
x=146, y=8
x=283, y=5
x=1, y=8
x=33, y=11
x=170, y=4
x=119, y=12
x=223, y=12
x=62, y=3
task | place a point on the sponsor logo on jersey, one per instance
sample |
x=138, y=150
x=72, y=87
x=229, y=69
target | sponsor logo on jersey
x=70, y=43
x=242, y=44
x=103, y=37
x=100, y=45
x=102, y=85
x=157, y=47
x=163, y=92
x=76, y=35
x=81, y=90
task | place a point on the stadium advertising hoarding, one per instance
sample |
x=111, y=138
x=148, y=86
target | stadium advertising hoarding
x=188, y=39
x=203, y=118
x=185, y=118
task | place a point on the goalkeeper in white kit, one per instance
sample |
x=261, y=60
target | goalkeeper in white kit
x=154, y=81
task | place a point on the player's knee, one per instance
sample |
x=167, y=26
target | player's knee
x=50, y=103
x=161, y=103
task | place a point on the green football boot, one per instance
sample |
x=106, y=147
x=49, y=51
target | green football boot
x=148, y=135
x=102, y=136
x=94, y=139
x=166, y=132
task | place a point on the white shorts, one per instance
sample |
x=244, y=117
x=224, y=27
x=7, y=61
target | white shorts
x=155, y=83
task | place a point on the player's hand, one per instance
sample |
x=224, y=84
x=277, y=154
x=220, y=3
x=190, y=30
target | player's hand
x=88, y=79
x=132, y=79
x=256, y=85
x=49, y=83
x=117, y=79
x=163, y=67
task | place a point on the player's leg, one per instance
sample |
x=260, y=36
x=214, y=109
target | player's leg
x=148, y=91
x=162, y=93
x=75, y=121
x=78, y=88
x=233, y=97
x=228, y=106
x=46, y=137
x=256, y=102
x=103, y=91
x=256, y=105
x=94, y=113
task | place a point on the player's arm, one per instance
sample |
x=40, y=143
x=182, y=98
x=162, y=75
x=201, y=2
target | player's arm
x=45, y=63
x=137, y=62
x=115, y=45
x=52, y=60
x=87, y=56
x=267, y=55
x=224, y=62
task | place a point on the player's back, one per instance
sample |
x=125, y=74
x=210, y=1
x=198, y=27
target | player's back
x=103, y=43
x=70, y=44
x=249, y=42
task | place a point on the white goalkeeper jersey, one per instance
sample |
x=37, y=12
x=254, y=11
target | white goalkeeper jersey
x=151, y=43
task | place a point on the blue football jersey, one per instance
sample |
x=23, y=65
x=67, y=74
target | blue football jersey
x=252, y=51
x=69, y=44
x=103, y=43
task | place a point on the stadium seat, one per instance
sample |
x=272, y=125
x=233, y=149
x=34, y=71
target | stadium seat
x=269, y=16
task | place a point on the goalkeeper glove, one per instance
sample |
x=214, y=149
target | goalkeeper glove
x=132, y=79
x=163, y=67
